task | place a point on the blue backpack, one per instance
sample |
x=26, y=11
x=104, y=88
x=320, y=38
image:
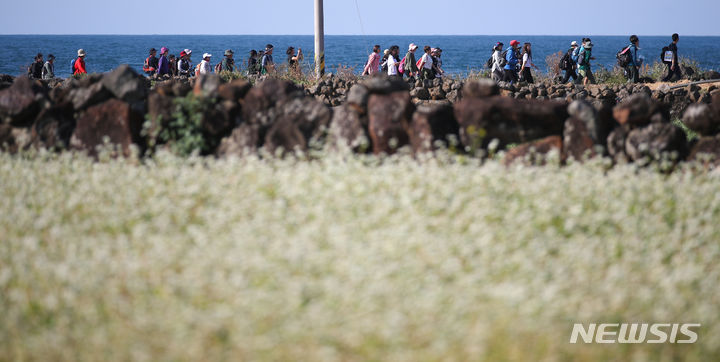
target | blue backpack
x=72, y=66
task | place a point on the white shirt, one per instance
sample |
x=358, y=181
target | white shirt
x=392, y=65
x=427, y=58
x=205, y=67
x=526, y=61
x=497, y=58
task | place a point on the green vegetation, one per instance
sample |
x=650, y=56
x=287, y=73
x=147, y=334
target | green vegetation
x=349, y=258
x=183, y=132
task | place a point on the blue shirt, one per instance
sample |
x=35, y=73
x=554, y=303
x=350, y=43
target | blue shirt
x=634, y=52
x=511, y=58
x=575, y=54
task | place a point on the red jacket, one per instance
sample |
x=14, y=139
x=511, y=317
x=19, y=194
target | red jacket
x=79, y=67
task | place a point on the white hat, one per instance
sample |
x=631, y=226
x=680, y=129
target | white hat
x=188, y=51
x=412, y=46
x=207, y=55
x=573, y=44
x=81, y=52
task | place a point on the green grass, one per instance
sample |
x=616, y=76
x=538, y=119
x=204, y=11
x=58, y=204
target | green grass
x=349, y=258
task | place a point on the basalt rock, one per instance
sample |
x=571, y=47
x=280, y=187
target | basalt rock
x=432, y=124
x=84, y=97
x=387, y=115
x=656, y=141
x=206, y=85
x=125, y=84
x=234, y=91
x=14, y=139
x=706, y=151
x=703, y=119
x=535, y=152
x=244, y=139
x=348, y=129
x=482, y=88
x=577, y=141
x=284, y=137
x=21, y=102
x=54, y=127
x=508, y=120
x=113, y=119
x=264, y=97
x=385, y=85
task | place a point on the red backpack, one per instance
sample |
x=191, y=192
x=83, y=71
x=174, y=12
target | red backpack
x=401, y=68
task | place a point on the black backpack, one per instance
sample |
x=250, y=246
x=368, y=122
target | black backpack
x=489, y=62
x=564, y=62
x=503, y=59
x=624, y=57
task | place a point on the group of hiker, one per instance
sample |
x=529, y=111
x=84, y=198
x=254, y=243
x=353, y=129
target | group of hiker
x=512, y=65
x=428, y=67
x=46, y=70
x=258, y=62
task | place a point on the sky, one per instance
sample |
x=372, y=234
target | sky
x=362, y=17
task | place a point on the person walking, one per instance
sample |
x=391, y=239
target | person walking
x=252, y=63
x=570, y=63
x=163, y=63
x=384, y=60
x=48, y=70
x=632, y=69
x=35, y=69
x=184, y=64
x=204, y=67
x=173, y=65
x=584, y=69
x=79, y=63
x=410, y=68
x=266, y=63
x=293, y=60
x=373, y=63
x=511, y=59
x=228, y=63
x=393, y=62
x=151, y=63
x=673, y=66
x=527, y=62
x=438, y=70
x=426, y=64
x=496, y=71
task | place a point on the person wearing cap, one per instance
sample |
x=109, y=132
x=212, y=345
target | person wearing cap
x=411, y=68
x=228, y=63
x=631, y=69
x=204, y=66
x=35, y=69
x=570, y=67
x=151, y=63
x=79, y=63
x=185, y=64
x=584, y=69
x=373, y=63
x=511, y=59
x=497, y=70
x=163, y=63
x=266, y=62
x=437, y=62
x=48, y=71
x=293, y=60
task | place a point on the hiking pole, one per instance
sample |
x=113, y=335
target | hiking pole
x=695, y=83
x=319, y=40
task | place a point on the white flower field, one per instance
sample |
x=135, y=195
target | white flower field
x=350, y=259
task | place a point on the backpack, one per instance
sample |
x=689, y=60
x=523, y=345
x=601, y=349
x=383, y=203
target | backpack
x=146, y=66
x=417, y=64
x=624, y=57
x=489, y=62
x=503, y=59
x=401, y=68
x=667, y=55
x=218, y=67
x=72, y=66
x=564, y=62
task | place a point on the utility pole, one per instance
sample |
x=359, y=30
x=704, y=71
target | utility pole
x=319, y=40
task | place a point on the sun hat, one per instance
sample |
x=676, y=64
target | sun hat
x=386, y=51
x=207, y=55
x=573, y=44
x=188, y=51
x=229, y=52
x=514, y=42
x=81, y=52
x=412, y=46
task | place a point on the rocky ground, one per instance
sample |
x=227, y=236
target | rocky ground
x=379, y=115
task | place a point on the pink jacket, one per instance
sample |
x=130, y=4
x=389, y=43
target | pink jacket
x=373, y=64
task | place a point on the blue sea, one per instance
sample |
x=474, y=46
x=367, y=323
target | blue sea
x=461, y=54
